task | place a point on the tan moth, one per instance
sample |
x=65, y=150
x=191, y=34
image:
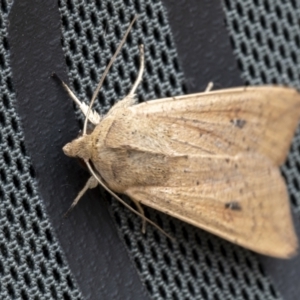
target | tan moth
x=210, y=159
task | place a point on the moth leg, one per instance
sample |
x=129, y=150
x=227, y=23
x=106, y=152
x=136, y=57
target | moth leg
x=209, y=87
x=90, y=184
x=94, y=117
x=141, y=71
x=130, y=99
x=141, y=211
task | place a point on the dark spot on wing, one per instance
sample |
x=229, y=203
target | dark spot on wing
x=233, y=205
x=238, y=123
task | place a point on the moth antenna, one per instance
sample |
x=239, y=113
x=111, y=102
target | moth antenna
x=96, y=92
x=90, y=184
x=94, y=117
x=125, y=204
x=141, y=71
x=209, y=87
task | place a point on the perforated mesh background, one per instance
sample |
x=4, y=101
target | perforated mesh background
x=91, y=31
x=198, y=265
x=265, y=38
x=31, y=263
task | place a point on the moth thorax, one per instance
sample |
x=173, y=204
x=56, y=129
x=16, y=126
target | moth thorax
x=79, y=148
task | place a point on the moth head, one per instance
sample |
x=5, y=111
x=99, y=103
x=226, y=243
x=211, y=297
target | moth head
x=79, y=147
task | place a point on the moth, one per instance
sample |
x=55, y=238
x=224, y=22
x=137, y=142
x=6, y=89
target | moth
x=210, y=159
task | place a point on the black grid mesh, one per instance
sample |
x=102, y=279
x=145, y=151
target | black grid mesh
x=198, y=265
x=265, y=37
x=91, y=32
x=31, y=263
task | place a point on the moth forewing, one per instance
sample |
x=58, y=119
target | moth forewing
x=250, y=119
x=240, y=198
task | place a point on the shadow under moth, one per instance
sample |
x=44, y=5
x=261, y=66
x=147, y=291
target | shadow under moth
x=210, y=159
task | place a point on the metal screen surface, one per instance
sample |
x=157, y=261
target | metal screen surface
x=32, y=265
x=265, y=39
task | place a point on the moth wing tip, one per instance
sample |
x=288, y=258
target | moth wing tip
x=289, y=250
x=294, y=249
